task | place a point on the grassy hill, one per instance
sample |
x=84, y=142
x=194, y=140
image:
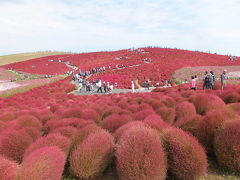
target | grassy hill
x=8, y=59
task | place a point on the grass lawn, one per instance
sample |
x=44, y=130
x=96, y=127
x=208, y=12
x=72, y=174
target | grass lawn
x=8, y=59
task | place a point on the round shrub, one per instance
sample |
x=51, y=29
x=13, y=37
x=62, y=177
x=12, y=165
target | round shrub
x=235, y=107
x=46, y=163
x=167, y=114
x=58, y=140
x=1, y=125
x=29, y=121
x=67, y=131
x=226, y=146
x=8, y=169
x=83, y=133
x=156, y=122
x=32, y=132
x=114, y=121
x=141, y=115
x=139, y=155
x=74, y=112
x=189, y=124
x=90, y=114
x=186, y=157
x=120, y=131
x=74, y=122
x=7, y=116
x=231, y=97
x=206, y=128
x=92, y=156
x=185, y=110
x=13, y=143
x=206, y=102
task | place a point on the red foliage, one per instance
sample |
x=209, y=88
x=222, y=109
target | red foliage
x=186, y=157
x=8, y=169
x=75, y=112
x=29, y=121
x=90, y=114
x=46, y=163
x=14, y=142
x=114, y=121
x=83, y=133
x=206, y=129
x=141, y=115
x=235, y=107
x=66, y=131
x=226, y=146
x=92, y=156
x=185, y=110
x=207, y=102
x=167, y=114
x=7, y=116
x=231, y=97
x=189, y=124
x=140, y=155
x=58, y=140
x=120, y=131
x=156, y=122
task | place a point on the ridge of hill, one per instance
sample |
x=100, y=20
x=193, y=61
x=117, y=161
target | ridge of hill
x=14, y=58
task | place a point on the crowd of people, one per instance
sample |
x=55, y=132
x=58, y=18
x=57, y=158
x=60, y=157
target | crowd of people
x=209, y=80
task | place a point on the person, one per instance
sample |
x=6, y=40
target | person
x=193, y=83
x=133, y=87
x=208, y=79
x=213, y=79
x=99, y=85
x=224, y=79
x=111, y=88
x=80, y=86
x=196, y=79
x=104, y=87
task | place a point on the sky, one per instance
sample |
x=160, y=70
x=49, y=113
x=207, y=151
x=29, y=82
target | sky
x=105, y=25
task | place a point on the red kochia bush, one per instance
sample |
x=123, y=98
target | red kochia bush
x=167, y=114
x=156, y=122
x=141, y=115
x=207, y=102
x=114, y=121
x=43, y=164
x=189, y=124
x=83, y=133
x=29, y=121
x=13, y=143
x=140, y=155
x=92, y=156
x=235, y=107
x=7, y=116
x=120, y=131
x=231, y=97
x=227, y=146
x=50, y=140
x=8, y=169
x=185, y=110
x=186, y=157
x=66, y=131
x=90, y=114
x=72, y=112
x=206, y=128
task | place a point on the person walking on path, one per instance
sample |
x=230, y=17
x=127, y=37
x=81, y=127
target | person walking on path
x=224, y=79
x=133, y=87
x=99, y=85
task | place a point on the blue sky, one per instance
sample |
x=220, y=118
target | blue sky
x=97, y=25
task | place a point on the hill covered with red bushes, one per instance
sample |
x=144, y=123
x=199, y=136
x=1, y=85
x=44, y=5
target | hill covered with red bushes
x=154, y=64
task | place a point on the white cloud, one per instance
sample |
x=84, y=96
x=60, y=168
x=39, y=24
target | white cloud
x=77, y=25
